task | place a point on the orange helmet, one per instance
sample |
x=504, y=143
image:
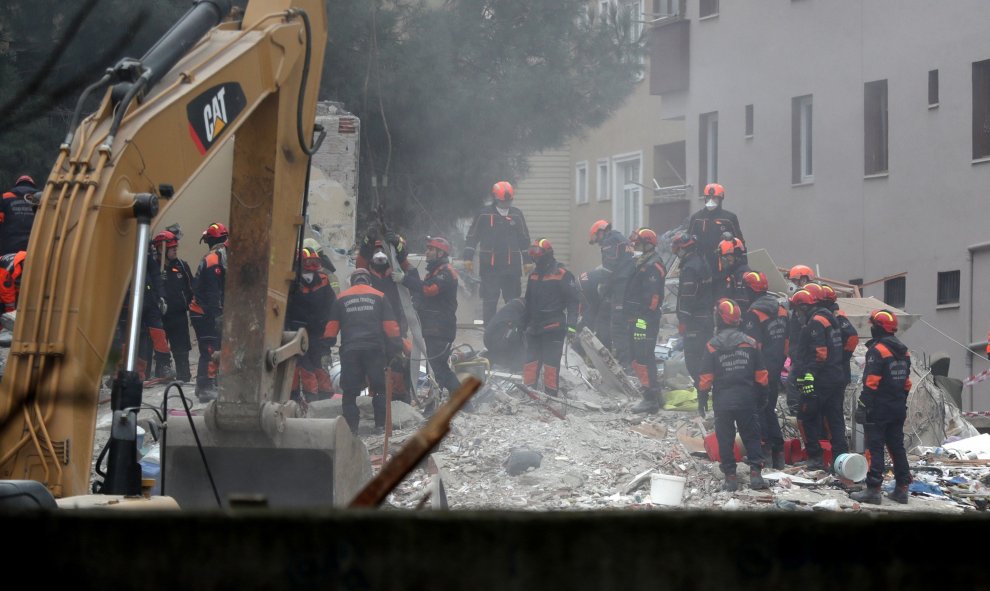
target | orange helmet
x=828, y=294
x=644, y=235
x=165, y=237
x=816, y=291
x=756, y=281
x=884, y=320
x=24, y=180
x=215, y=233
x=310, y=260
x=502, y=191
x=713, y=190
x=539, y=248
x=597, y=228
x=733, y=247
x=799, y=271
x=802, y=297
x=728, y=312
x=439, y=243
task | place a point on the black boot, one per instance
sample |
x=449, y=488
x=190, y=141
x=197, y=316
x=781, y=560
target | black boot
x=899, y=494
x=182, y=366
x=731, y=483
x=777, y=459
x=869, y=495
x=814, y=463
x=206, y=389
x=756, y=481
x=163, y=366
x=650, y=404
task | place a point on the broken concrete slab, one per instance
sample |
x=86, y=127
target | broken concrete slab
x=613, y=376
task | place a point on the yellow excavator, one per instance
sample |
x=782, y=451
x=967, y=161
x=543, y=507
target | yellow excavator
x=214, y=75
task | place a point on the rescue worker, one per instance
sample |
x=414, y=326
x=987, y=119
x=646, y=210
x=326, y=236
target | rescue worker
x=801, y=275
x=818, y=375
x=177, y=280
x=731, y=268
x=552, y=300
x=644, y=308
x=327, y=265
x=309, y=307
x=500, y=235
x=594, y=314
x=206, y=308
x=17, y=209
x=11, y=270
x=435, y=299
x=504, y=336
x=733, y=372
x=882, y=407
x=711, y=222
x=850, y=338
x=384, y=279
x=617, y=258
x=153, y=345
x=766, y=321
x=694, y=300
x=369, y=336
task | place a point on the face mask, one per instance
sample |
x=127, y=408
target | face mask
x=380, y=259
x=308, y=277
x=711, y=204
x=502, y=212
x=876, y=332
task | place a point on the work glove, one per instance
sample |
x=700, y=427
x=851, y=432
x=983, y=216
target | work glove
x=469, y=265
x=806, y=384
x=398, y=275
x=862, y=413
x=162, y=306
x=528, y=268
x=401, y=254
x=639, y=330
x=571, y=333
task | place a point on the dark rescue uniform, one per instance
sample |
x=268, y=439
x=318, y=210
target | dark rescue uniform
x=206, y=309
x=501, y=243
x=694, y=309
x=504, y=336
x=16, y=218
x=644, y=305
x=886, y=384
x=767, y=322
x=177, y=278
x=153, y=337
x=309, y=307
x=819, y=352
x=732, y=369
x=435, y=300
x=552, y=299
x=369, y=336
x=709, y=226
x=731, y=286
x=850, y=339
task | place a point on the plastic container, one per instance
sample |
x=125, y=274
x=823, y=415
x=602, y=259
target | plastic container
x=666, y=489
x=851, y=466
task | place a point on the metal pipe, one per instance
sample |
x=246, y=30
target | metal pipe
x=145, y=208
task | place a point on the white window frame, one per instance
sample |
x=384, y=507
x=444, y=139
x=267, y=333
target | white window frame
x=604, y=193
x=581, y=182
x=636, y=23
x=806, y=115
x=628, y=195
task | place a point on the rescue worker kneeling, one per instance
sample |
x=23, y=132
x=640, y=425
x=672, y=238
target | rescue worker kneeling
x=551, y=314
x=369, y=337
x=732, y=370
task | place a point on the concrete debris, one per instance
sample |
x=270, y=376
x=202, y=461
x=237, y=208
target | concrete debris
x=404, y=416
x=521, y=460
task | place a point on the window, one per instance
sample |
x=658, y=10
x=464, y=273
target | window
x=708, y=148
x=932, y=88
x=603, y=186
x=802, y=170
x=749, y=120
x=981, y=109
x=948, y=288
x=633, y=12
x=895, y=291
x=666, y=8
x=581, y=183
x=875, y=127
x=708, y=8
x=628, y=195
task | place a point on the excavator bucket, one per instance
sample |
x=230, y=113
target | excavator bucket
x=312, y=463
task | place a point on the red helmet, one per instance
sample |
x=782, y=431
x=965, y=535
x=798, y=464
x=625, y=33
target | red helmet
x=165, y=237
x=884, y=320
x=360, y=275
x=714, y=190
x=439, y=243
x=539, y=248
x=756, y=281
x=310, y=259
x=682, y=241
x=728, y=312
x=802, y=297
x=502, y=191
x=733, y=247
x=816, y=291
x=215, y=233
x=644, y=235
x=597, y=228
x=24, y=180
x=799, y=271
x=828, y=293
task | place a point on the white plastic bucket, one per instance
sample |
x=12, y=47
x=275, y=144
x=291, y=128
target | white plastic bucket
x=851, y=466
x=666, y=489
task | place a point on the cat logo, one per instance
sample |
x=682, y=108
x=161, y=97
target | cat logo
x=212, y=112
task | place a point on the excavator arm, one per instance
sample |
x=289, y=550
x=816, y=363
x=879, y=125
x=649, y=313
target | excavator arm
x=256, y=79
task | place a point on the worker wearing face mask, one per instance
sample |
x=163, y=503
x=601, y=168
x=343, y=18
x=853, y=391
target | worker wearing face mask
x=711, y=222
x=309, y=307
x=384, y=280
